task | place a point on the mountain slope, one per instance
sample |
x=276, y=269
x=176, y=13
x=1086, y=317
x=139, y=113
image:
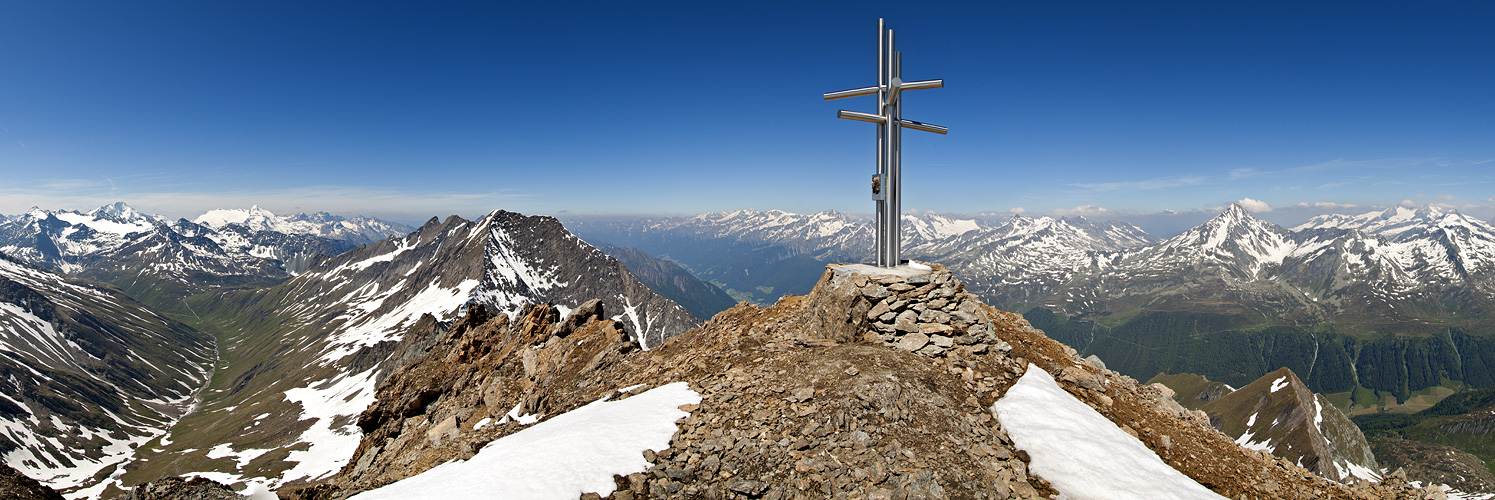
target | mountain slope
x=1392, y=301
x=1279, y=415
x=807, y=398
x=1429, y=267
x=702, y=299
x=1190, y=390
x=88, y=375
x=302, y=359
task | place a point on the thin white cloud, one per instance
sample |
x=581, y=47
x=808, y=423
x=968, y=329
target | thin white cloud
x=1145, y=185
x=1254, y=205
x=1090, y=210
x=1018, y=210
x=1242, y=173
x=1325, y=204
x=1408, y=203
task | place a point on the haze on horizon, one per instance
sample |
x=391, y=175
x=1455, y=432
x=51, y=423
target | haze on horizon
x=409, y=111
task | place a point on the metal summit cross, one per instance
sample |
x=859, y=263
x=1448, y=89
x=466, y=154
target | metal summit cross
x=887, y=184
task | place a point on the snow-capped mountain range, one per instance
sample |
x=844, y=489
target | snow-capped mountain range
x=1399, y=264
x=749, y=251
x=357, y=230
x=160, y=260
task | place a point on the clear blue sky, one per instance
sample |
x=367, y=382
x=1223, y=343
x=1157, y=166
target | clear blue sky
x=408, y=110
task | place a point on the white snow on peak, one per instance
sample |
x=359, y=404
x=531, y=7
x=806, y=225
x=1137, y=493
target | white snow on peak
x=318, y=224
x=255, y=217
x=1279, y=384
x=99, y=222
x=119, y=210
x=1081, y=453
x=561, y=458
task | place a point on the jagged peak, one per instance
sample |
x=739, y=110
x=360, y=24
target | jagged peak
x=117, y=209
x=1236, y=211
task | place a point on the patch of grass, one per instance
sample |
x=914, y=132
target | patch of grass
x=1342, y=400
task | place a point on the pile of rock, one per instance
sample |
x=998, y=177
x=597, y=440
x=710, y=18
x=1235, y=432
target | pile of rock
x=917, y=308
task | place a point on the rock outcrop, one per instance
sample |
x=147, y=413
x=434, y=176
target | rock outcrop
x=1190, y=390
x=1432, y=463
x=17, y=486
x=813, y=397
x=178, y=488
x=1279, y=415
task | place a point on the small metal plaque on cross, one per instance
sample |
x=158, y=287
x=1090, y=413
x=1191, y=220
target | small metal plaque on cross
x=887, y=185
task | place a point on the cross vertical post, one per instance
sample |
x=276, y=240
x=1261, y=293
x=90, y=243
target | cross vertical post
x=887, y=183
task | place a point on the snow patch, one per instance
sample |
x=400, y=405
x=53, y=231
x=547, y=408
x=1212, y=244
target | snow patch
x=572, y=453
x=328, y=448
x=1081, y=453
x=1279, y=384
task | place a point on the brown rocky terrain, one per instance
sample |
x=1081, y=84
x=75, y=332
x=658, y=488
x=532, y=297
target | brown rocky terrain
x=877, y=384
x=17, y=486
x=1434, y=464
x=1190, y=390
x=1278, y=413
x=178, y=488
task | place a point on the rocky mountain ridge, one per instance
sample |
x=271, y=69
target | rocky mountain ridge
x=813, y=397
x=300, y=360
x=1279, y=415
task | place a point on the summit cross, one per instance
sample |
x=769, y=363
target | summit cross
x=887, y=183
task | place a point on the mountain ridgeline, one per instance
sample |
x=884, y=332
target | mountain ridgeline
x=1393, y=300
x=301, y=360
x=668, y=279
x=256, y=371
x=161, y=262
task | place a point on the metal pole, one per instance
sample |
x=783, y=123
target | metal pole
x=896, y=166
x=882, y=154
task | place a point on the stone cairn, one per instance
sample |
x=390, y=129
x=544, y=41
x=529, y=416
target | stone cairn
x=920, y=309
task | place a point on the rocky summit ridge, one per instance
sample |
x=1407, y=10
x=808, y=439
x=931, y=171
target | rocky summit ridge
x=877, y=384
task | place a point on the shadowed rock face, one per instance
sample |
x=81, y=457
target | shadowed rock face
x=16, y=486
x=804, y=399
x=1278, y=414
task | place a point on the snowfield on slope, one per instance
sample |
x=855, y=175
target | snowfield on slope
x=1081, y=453
x=572, y=453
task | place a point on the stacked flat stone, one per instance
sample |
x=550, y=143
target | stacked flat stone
x=923, y=310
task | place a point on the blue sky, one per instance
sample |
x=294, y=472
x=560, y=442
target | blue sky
x=408, y=110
